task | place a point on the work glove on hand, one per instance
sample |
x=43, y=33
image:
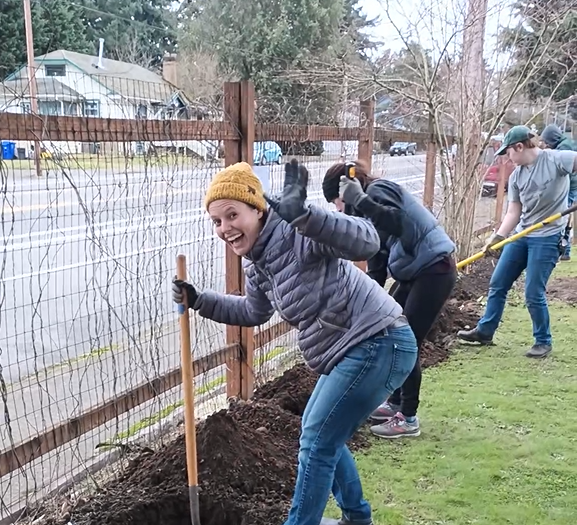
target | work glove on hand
x=291, y=204
x=351, y=192
x=491, y=241
x=183, y=292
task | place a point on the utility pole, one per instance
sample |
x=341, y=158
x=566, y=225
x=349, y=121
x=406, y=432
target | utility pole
x=32, y=78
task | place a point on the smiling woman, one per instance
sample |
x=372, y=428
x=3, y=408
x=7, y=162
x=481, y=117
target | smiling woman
x=236, y=204
x=296, y=259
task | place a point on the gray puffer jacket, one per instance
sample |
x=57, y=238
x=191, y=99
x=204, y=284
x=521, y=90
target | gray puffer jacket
x=299, y=270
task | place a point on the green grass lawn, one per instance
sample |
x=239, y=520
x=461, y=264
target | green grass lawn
x=92, y=162
x=499, y=436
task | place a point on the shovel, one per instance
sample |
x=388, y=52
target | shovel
x=188, y=386
x=499, y=245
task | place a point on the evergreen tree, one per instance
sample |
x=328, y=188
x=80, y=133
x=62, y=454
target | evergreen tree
x=56, y=24
x=550, y=26
x=137, y=31
x=266, y=41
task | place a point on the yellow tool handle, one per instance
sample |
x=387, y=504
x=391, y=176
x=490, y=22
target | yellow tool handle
x=526, y=231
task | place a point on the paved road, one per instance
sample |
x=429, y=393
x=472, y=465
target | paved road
x=85, y=309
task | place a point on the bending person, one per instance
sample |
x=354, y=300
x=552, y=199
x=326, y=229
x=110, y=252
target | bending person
x=350, y=330
x=418, y=254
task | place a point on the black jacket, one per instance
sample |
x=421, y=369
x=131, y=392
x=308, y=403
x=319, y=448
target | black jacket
x=411, y=237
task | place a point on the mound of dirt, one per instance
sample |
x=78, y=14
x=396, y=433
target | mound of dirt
x=248, y=453
x=291, y=391
x=246, y=469
x=247, y=466
x=473, y=283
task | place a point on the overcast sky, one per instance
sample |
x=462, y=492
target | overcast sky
x=432, y=21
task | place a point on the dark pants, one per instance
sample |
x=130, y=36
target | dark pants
x=571, y=201
x=538, y=257
x=422, y=301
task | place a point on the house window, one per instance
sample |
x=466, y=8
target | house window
x=92, y=108
x=141, y=111
x=49, y=107
x=55, y=70
x=71, y=109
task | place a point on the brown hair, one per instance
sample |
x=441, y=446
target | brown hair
x=528, y=143
x=361, y=172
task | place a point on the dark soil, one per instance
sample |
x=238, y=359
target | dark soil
x=292, y=392
x=474, y=281
x=248, y=453
x=563, y=289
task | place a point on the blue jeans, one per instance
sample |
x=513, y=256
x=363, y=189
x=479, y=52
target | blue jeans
x=537, y=255
x=340, y=403
x=571, y=201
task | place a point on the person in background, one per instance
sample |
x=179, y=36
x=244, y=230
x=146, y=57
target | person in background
x=538, y=188
x=553, y=138
x=296, y=260
x=417, y=253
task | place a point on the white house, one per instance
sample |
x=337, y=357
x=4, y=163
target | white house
x=83, y=85
x=75, y=84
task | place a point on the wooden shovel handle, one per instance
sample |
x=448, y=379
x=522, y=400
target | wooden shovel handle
x=187, y=381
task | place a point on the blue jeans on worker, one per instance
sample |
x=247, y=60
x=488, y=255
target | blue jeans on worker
x=340, y=403
x=538, y=256
x=571, y=201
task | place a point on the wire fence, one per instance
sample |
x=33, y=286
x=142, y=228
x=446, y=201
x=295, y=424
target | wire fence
x=87, y=258
x=89, y=343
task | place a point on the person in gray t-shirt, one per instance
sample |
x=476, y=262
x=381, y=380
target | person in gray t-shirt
x=542, y=188
x=538, y=188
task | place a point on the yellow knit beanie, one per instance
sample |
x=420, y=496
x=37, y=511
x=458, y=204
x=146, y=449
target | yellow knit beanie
x=239, y=183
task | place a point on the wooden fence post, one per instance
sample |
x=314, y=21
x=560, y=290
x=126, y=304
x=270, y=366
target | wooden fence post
x=367, y=125
x=366, y=138
x=239, y=111
x=247, y=110
x=500, y=192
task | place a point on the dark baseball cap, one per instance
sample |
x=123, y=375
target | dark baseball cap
x=515, y=135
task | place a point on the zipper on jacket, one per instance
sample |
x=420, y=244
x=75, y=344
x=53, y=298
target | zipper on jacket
x=275, y=293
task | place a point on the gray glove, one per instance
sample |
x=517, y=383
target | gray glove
x=291, y=204
x=183, y=292
x=351, y=192
x=493, y=239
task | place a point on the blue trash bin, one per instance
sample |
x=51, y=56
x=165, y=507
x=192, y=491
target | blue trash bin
x=8, y=150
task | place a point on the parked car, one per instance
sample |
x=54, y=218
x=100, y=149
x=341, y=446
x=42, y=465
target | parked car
x=403, y=148
x=266, y=153
x=491, y=164
x=492, y=176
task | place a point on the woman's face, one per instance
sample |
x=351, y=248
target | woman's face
x=236, y=223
